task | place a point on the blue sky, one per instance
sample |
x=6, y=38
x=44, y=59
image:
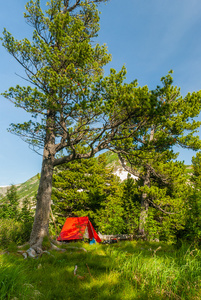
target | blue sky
x=148, y=37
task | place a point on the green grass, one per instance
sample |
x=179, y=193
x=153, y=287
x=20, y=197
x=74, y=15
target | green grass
x=127, y=270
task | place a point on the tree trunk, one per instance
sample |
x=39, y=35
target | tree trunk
x=144, y=207
x=144, y=199
x=41, y=220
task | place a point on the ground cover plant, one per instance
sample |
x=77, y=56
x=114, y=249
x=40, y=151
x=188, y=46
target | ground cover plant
x=126, y=270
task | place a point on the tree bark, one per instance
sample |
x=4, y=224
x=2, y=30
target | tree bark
x=144, y=207
x=144, y=198
x=41, y=220
x=43, y=205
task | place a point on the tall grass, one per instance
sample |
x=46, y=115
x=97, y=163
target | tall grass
x=162, y=275
x=127, y=270
x=13, y=281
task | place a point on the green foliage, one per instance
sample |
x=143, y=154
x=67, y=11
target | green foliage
x=64, y=67
x=16, y=220
x=83, y=188
x=10, y=204
x=70, y=102
x=151, y=156
x=88, y=187
x=131, y=206
x=73, y=107
x=12, y=231
x=68, y=93
x=109, y=218
x=196, y=164
x=192, y=230
x=168, y=202
x=26, y=215
x=12, y=209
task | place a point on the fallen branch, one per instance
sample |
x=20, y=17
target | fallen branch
x=156, y=250
x=89, y=271
x=115, y=236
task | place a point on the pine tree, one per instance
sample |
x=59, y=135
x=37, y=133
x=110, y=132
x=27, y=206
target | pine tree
x=131, y=205
x=81, y=188
x=69, y=100
x=192, y=230
x=150, y=155
x=10, y=204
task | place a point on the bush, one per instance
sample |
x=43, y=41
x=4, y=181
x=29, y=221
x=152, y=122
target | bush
x=12, y=231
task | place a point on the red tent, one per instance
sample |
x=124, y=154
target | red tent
x=77, y=228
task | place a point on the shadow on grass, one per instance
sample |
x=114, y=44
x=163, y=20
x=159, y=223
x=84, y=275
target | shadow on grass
x=104, y=272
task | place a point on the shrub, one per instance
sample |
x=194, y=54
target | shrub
x=12, y=231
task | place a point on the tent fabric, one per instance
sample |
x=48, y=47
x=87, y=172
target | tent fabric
x=74, y=229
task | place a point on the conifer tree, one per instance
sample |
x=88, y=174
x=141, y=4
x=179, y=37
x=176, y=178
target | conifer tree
x=81, y=187
x=9, y=208
x=131, y=205
x=192, y=230
x=69, y=100
x=150, y=155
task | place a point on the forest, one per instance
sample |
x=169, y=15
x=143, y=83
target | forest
x=163, y=265
x=86, y=125
x=91, y=188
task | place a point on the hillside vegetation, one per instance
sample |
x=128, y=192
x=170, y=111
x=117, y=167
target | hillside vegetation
x=26, y=189
x=29, y=188
x=89, y=188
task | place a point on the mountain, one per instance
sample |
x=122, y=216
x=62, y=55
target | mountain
x=26, y=189
x=30, y=187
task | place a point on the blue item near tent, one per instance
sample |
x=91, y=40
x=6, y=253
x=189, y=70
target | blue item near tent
x=92, y=241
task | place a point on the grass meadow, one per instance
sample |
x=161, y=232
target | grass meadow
x=126, y=270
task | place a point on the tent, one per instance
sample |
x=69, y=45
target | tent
x=76, y=229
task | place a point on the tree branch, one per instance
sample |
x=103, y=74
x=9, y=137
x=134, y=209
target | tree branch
x=160, y=176
x=72, y=7
x=126, y=167
x=162, y=210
